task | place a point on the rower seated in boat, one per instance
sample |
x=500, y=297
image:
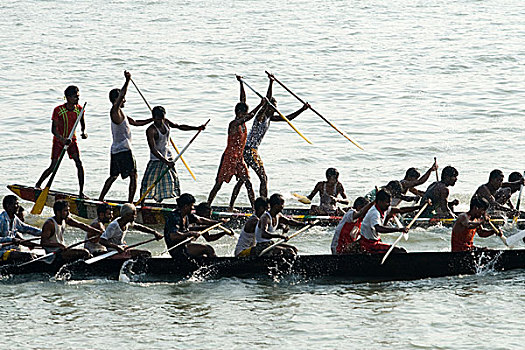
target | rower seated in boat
x=11, y=227
x=413, y=179
x=395, y=189
x=489, y=190
x=438, y=193
x=328, y=191
x=375, y=223
x=247, y=238
x=177, y=230
x=470, y=223
x=507, y=189
x=348, y=231
x=267, y=227
x=52, y=239
x=104, y=215
x=113, y=236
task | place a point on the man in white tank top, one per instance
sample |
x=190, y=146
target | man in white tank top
x=122, y=159
x=158, y=136
x=104, y=215
x=52, y=239
x=247, y=238
x=269, y=223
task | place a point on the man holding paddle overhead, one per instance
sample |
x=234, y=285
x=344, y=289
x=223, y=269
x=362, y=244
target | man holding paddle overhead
x=158, y=135
x=232, y=161
x=260, y=126
x=413, y=179
x=52, y=239
x=63, y=121
x=122, y=160
x=177, y=233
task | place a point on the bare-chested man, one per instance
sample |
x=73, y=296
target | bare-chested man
x=328, y=191
x=413, y=179
x=504, y=194
x=122, y=159
x=438, y=193
x=260, y=126
x=488, y=191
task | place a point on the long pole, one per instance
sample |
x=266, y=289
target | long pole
x=318, y=114
x=171, y=140
x=55, y=252
x=168, y=168
x=115, y=252
x=275, y=108
x=290, y=237
x=217, y=225
x=41, y=200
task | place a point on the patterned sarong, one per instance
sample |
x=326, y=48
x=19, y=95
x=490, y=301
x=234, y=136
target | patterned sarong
x=168, y=187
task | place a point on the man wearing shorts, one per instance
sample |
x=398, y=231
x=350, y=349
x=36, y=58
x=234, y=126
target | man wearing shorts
x=64, y=117
x=122, y=159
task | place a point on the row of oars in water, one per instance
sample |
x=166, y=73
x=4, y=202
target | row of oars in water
x=41, y=200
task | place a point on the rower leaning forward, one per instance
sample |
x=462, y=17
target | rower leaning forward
x=177, y=231
x=158, y=135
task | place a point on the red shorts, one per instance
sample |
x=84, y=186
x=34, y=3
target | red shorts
x=72, y=149
x=373, y=247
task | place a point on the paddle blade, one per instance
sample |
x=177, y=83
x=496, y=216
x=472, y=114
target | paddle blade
x=101, y=257
x=302, y=199
x=516, y=239
x=40, y=202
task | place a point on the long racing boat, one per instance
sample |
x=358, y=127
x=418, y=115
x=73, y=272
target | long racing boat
x=356, y=267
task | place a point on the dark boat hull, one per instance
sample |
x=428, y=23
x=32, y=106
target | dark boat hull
x=349, y=267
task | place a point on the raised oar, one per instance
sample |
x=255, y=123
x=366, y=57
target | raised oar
x=289, y=237
x=437, y=175
x=319, y=114
x=41, y=200
x=217, y=225
x=275, y=108
x=401, y=235
x=53, y=253
x=171, y=140
x=115, y=252
x=515, y=219
x=503, y=238
x=302, y=199
x=168, y=168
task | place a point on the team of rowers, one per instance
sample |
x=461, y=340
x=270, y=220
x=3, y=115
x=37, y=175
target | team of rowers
x=359, y=230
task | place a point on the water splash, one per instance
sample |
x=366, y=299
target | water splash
x=486, y=263
x=126, y=274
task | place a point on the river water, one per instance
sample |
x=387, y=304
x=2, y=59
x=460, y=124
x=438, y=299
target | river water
x=408, y=80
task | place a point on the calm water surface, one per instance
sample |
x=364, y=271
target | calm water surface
x=409, y=80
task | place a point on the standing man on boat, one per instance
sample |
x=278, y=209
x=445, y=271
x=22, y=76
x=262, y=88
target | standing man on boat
x=348, y=231
x=470, y=223
x=63, y=120
x=104, y=215
x=269, y=223
x=52, y=239
x=488, y=192
x=260, y=126
x=375, y=223
x=247, y=238
x=122, y=160
x=113, y=236
x=438, y=193
x=232, y=161
x=177, y=230
x=11, y=228
x=158, y=135
x=328, y=191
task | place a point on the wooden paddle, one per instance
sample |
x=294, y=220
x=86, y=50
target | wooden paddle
x=275, y=108
x=217, y=225
x=401, y=235
x=168, y=168
x=41, y=200
x=289, y=237
x=437, y=175
x=55, y=252
x=19, y=243
x=515, y=219
x=503, y=238
x=301, y=198
x=115, y=252
x=171, y=140
x=319, y=114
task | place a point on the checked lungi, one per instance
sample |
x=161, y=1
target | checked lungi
x=168, y=186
